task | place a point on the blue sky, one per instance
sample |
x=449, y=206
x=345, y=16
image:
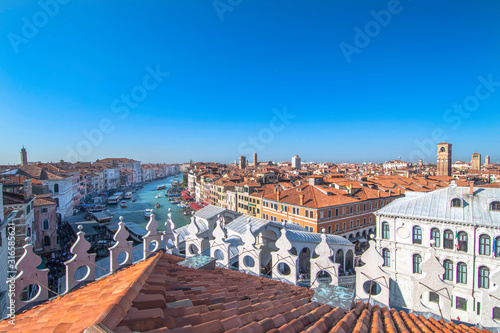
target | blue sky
x=233, y=77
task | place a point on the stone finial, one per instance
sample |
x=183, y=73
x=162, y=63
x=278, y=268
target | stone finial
x=323, y=230
x=27, y=275
x=80, y=258
x=169, y=235
x=283, y=243
x=121, y=245
x=219, y=231
x=153, y=237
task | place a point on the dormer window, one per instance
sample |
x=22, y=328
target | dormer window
x=495, y=205
x=456, y=202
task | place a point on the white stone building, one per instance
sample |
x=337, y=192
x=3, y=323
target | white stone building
x=441, y=251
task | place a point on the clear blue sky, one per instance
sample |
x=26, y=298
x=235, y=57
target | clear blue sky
x=353, y=97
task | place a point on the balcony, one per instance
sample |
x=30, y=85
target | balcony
x=348, y=281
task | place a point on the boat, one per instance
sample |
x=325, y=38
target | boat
x=113, y=200
x=123, y=204
x=119, y=195
x=135, y=232
x=110, y=212
x=157, y=205
x=158, y=196
x=133, y=199
x=175, y=202
x=127, y=195
x=161, y=187
x=147, y=213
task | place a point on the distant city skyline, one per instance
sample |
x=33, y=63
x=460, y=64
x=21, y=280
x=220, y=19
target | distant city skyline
x=250, y=160
x=171, y=82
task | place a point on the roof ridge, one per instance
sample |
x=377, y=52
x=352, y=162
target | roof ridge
x=114, y=313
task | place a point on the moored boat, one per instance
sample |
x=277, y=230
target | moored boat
x=123, y=204
x=147, y=213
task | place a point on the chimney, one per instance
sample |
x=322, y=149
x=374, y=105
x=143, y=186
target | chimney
x=278, y=196
x=301, y=199
x=471, y=188
x=378, y=193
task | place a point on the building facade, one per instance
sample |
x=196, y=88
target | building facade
x=444, y=244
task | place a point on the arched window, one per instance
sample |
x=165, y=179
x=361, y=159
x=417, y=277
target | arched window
x=448, y=270
x=385, y=230
x=28, y=232
x=456, y=202
x=436, y=237
x=417, y=235
x=484, y=245
x=56, y=188
x=46, y=241
x=387, y=257
x=45, y=224
x=496, y=247
x=483, y=280
x=448, y=239
x=461, y=273
x=417, y=260
x=495, y=205
x=442, y=149
x=462, y=241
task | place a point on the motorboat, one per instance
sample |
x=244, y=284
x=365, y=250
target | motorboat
x=127, y=195
x=161, y=187
x=110, y=212
x=158, y=196
x=133, y=199
x=123, y=204
x=147, y=213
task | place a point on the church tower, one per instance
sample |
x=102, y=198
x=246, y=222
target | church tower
x=24, y=156
x=444, y=159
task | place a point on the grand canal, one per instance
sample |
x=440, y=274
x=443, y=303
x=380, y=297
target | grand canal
x=145, y=199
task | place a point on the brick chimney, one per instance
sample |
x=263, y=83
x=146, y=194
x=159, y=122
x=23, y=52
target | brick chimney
x=471, y=188
x=301, y=199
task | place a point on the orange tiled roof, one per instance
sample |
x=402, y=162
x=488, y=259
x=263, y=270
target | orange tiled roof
x=158, y=295
x=102, y=301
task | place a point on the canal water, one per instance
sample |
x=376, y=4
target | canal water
x=146, y=199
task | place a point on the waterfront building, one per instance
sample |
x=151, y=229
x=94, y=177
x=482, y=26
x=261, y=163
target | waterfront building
x=441, y=251
x=45, y=225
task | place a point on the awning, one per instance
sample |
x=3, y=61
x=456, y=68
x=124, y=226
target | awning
x=195, y=206
x=185, y=196
x=359, y=239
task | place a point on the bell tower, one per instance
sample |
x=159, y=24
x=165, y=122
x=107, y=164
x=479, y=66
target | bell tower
x=444, y=159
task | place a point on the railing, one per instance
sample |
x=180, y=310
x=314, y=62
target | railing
x=347, y=281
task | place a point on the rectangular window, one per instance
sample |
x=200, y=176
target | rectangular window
x=364, y=220
x=337, y=227
x=350, y=223
x=329, y=213
x=45, y=210
x=329, y=229
x=343, y=226
x=433, y=297
x=357, y=222
x=496, y=313
x=336, y=212
x=461, y=303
